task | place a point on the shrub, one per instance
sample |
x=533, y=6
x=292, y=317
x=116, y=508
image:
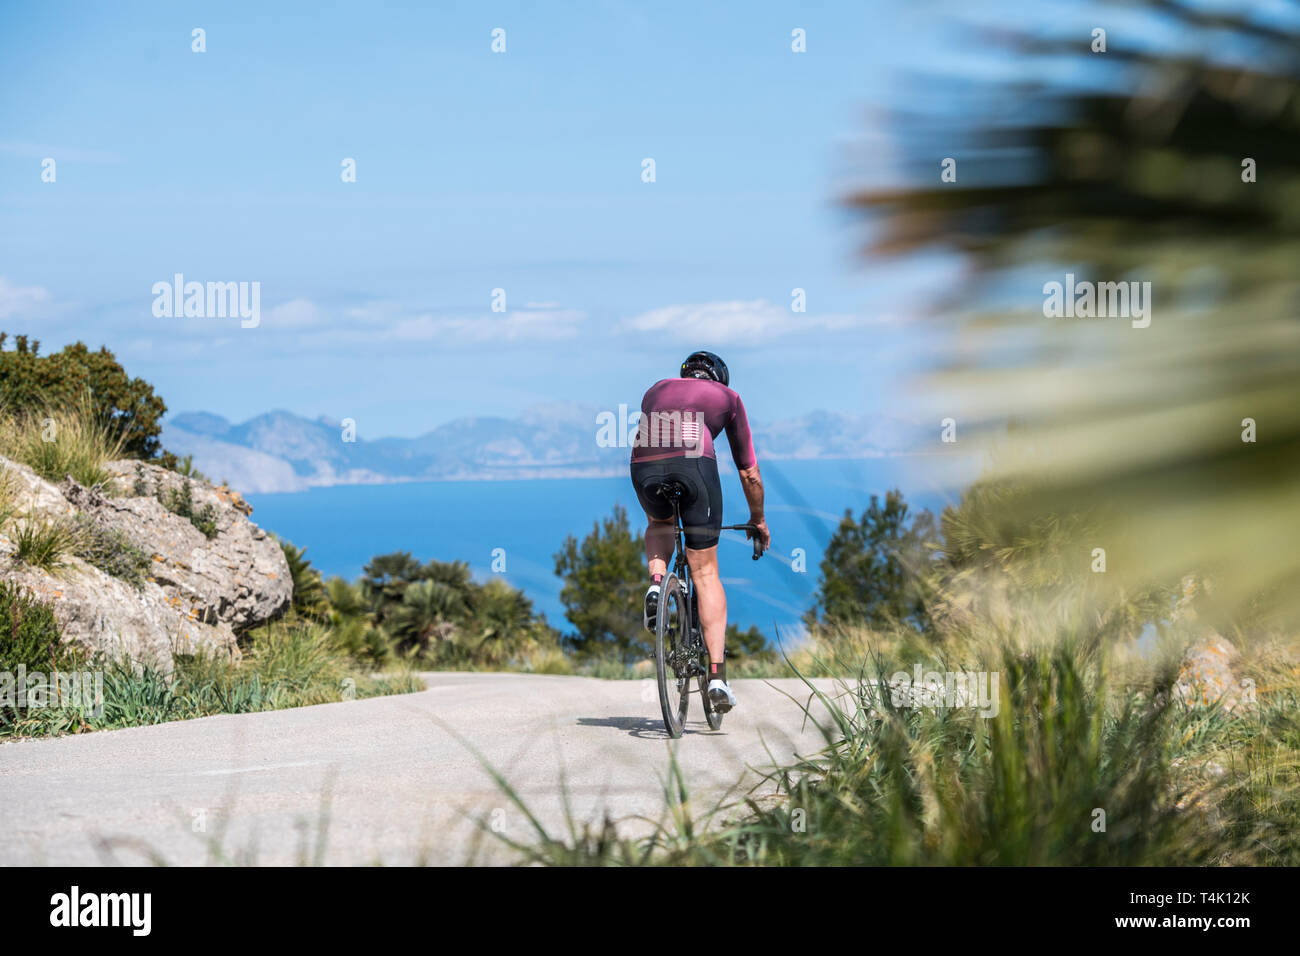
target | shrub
x=182, y=466
x=110, y=550
x=31, y=639
x=181, y=502
x=30, y=634
x=124, y=408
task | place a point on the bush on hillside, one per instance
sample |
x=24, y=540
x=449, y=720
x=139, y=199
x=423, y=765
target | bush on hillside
x=126, y=407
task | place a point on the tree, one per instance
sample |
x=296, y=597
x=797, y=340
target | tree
x=874, y=567
x=748, y=645
x=502, y=625
x=438, y=609
x=30, y=383
x=604, y=588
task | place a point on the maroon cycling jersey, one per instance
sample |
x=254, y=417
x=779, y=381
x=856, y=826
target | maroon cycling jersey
x=680, y=417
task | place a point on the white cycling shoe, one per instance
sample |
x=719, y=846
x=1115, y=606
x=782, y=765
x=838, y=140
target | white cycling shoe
x=721, y=699
x=652, y=608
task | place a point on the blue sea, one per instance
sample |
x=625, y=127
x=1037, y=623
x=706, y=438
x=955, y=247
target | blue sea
x=343, y=527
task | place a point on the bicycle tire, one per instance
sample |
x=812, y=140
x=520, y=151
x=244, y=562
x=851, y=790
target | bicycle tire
x=671, y=627
x=712, y=717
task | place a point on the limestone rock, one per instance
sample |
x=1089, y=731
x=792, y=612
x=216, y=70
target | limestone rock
x=201, y=592
x=1206, y=676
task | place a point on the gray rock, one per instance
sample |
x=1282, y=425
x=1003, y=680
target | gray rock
x=106, y=615
x=202, y=592
x=1206, y=677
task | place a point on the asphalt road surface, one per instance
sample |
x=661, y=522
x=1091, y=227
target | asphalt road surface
x=389, y=780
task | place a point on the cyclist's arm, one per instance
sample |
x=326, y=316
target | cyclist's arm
x=738, y=436
x=751, y=482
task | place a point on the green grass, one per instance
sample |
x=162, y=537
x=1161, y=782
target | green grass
x=60, y=442
x=286, y=666
x=45, y=543
x=895, y=785
x=9, y=493
x=911, y=786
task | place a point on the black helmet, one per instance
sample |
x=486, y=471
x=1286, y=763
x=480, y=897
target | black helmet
x=705, y=365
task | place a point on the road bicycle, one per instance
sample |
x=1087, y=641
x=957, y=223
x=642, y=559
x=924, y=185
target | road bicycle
x=680, y=655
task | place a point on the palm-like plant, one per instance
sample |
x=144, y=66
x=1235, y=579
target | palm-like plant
x=428, y=613
x=346, y=600
x=309, y=598
x=385, y=578
x=501, y=623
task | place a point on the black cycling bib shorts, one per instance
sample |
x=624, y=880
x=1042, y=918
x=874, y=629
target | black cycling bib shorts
x=701, y=504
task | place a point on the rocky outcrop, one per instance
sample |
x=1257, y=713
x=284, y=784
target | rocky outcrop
x=200, y=592
x=1206, y=677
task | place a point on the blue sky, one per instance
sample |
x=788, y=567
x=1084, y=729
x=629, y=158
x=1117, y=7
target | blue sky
x=475, y=171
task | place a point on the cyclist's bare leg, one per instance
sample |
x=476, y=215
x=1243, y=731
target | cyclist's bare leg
x=712, y=599
x=659, y=544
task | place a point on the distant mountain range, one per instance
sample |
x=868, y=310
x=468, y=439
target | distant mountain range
x=280, y=451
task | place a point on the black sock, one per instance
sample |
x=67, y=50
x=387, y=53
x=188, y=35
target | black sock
x=718, y=671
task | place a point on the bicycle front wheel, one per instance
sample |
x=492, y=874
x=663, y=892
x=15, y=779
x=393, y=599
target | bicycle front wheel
x=672, y=663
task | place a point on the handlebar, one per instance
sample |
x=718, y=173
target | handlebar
x=758, y=545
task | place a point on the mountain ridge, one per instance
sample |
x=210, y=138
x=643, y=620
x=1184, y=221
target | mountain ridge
x=280, y=451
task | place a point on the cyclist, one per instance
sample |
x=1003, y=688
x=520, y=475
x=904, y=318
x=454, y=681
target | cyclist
x=680, y=418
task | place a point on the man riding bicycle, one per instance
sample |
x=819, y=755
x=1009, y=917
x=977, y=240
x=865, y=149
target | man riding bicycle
x=680, y=418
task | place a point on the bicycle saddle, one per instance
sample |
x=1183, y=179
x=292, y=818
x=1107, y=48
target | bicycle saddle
x=670, y=489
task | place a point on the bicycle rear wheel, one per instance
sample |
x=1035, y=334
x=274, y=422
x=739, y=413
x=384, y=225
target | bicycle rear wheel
x=671, y=636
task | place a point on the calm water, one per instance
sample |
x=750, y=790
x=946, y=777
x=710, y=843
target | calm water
x=343, y=527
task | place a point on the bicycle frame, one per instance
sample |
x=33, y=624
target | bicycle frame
x=686, y=660
x=682, y=568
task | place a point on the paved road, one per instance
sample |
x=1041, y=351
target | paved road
x=396, y=783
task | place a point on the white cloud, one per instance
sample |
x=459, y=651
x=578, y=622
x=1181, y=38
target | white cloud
x=19, y=300
x=744, y=322
x=294, y=314
x=389, y=322
x=525, y=326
